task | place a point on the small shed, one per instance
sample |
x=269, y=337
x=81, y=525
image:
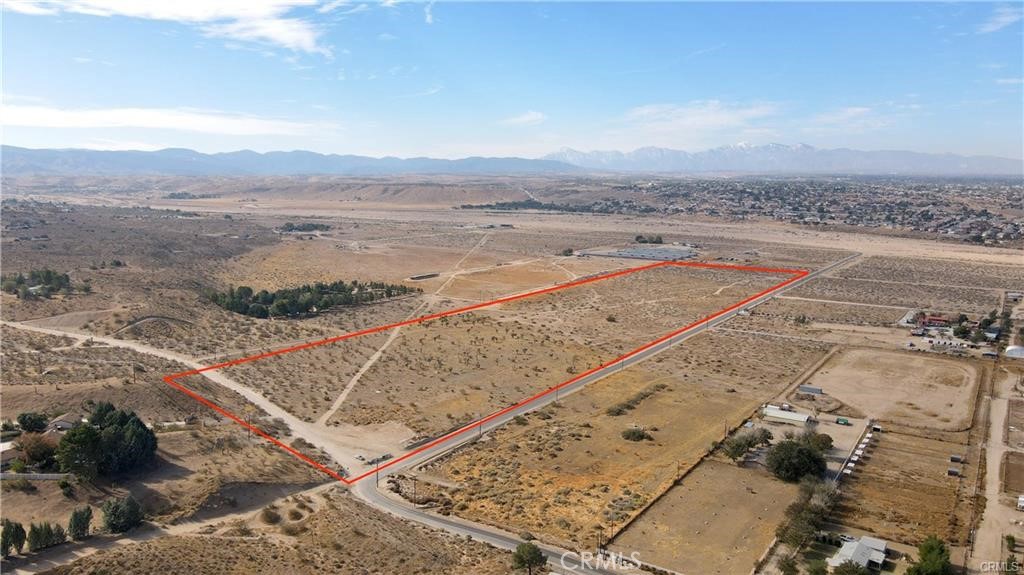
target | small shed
x=812, y=389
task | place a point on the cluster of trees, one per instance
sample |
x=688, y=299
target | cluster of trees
x=962, y=328
x=309, y=298
x=114, y=442
x=304, y=227
x=807, y=514
x=119, y=515
x=49, y=282
x=739, y=444
x=641, y=239
x=32, y=422
x=800, y=456
x=45, y=534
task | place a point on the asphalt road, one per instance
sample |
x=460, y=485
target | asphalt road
x=368, y=490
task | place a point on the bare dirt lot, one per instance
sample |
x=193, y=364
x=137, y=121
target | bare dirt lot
x=911, y=388
x=719, y=519
x=1013, y=473
x=902, y=492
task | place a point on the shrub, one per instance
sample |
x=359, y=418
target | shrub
x=636, y=434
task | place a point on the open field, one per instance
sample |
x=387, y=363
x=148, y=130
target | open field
x=45, y=373
x=1015, y=424
x=719, y=519
x=448, y=371
x=969, y=300
x=562, y=472
x=1013, y=473
x=934, y=271
x=902, y=493
x=303, y=534
x=910, y=388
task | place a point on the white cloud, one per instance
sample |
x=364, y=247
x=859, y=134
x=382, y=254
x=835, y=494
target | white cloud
x=428, y=12
x=1001, y=17
x=528, y=118
x=385, y=37
x=852, y=119
x=178, y=119
x=86, y=60
x=261, y=21
x=1009, y=81
x=699, y=115
x=435, y=89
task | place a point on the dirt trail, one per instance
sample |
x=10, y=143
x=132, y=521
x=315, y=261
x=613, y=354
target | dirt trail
x=998, y=520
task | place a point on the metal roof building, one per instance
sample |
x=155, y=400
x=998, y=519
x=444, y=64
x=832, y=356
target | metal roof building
x=772, y=413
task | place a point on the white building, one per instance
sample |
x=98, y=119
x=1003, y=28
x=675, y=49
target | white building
x=867, y=552
x=779, y=415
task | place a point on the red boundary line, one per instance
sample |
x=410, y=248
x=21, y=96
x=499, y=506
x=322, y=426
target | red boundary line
x=172, y=379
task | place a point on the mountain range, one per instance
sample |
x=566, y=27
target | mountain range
x=741, y=158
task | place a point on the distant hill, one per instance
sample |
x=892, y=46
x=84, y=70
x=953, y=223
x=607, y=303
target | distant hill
x=781, y=158
x=742, y=158
x=182, y=162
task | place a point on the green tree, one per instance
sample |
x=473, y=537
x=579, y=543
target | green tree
x=528, y=556
x=35, y=537
x=850, y=568
x=31, y=421
x=79, y=452
x=818, y=567
x=120, y=515
x=78, y=525
x=791, y=460
x=6, y=539
x=17, y=536
x=787, y=566
x=932, y=558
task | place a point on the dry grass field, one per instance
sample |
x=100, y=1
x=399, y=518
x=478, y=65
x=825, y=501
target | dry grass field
x=562, y=472
x=719, y=519
x=969, y=300
x=304, y=534
x=49, y=374
x=935, y=271
x=1013, y=473
x=913, y=389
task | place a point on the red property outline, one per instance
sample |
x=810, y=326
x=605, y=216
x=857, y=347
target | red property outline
x=172, y=379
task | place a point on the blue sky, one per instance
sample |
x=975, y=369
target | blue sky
x=450, y=79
